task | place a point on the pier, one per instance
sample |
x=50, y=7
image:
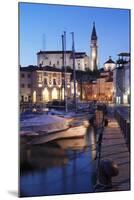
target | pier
x=115, y=148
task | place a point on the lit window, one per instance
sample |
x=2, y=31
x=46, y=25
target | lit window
x=39, y=85
x=34, y=96
x=54, y=93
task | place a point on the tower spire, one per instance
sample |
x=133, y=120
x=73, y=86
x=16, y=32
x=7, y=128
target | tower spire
x=94, y=35
x=94, y=54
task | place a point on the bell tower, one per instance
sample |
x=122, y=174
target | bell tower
x=93, y=54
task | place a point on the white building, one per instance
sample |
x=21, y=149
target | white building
x=121, y=78
x=54, y=59
x=109, y=64
x=82, y=60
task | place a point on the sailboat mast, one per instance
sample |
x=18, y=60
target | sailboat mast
x=74, y=73
x=65, y=70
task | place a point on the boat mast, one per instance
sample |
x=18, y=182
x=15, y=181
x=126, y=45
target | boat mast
x=62, y=73
x=74, y=73
x=65, y=72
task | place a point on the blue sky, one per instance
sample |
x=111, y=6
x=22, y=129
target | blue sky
x=41, y=26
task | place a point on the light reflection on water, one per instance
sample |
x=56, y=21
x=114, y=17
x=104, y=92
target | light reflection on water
x=63, y=166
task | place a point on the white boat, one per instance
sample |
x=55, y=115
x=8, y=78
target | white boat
x=43, y=137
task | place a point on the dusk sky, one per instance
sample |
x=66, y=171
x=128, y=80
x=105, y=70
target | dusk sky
x=41, y=27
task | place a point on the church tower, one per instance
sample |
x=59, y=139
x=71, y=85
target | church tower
x=93, y=55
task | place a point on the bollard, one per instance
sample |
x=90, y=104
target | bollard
x=128, y=134
x=107, y=169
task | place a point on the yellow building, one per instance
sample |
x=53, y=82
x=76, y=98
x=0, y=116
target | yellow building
x=43, y=84
x=99, y=89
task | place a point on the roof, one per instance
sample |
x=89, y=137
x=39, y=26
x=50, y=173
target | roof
x=109, y=61
x=94, y=35
x=29, y=68
x=44, y=68
x=77, y=54
x=124, y=54
x=110, y=79
x=52, y=52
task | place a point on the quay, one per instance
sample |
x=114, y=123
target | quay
x=114, y=148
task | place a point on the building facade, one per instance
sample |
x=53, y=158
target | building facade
x=121, y=78
x=99, y=88
x=109, y=64
x=43, y=84
x=82, y=60
x=54, y=59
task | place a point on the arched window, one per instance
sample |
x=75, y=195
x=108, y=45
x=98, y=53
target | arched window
x=54, y=93
x=45, y=95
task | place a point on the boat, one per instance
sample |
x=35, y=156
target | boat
x=43, y=137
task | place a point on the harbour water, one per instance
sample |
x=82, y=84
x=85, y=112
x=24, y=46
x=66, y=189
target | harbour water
x=63, y=166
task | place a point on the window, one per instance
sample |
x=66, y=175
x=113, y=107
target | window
x=53, y=65
x=29, y=85
x=54, y=74
x=45, y=81
x=29, y=98
x=54, y=82
x=63, y=81
x=50, y=63
x=22, y=98
x=22, y=75
x=22, y=85
x=29, y=75
x=57, y=62
x=25, y=98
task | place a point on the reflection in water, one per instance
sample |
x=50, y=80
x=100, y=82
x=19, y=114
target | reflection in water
x=93, y=135
x=59, y=167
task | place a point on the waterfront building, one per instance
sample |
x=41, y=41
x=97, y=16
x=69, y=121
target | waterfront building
x=121, y=77
x=43, y=84
x=97, y=87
